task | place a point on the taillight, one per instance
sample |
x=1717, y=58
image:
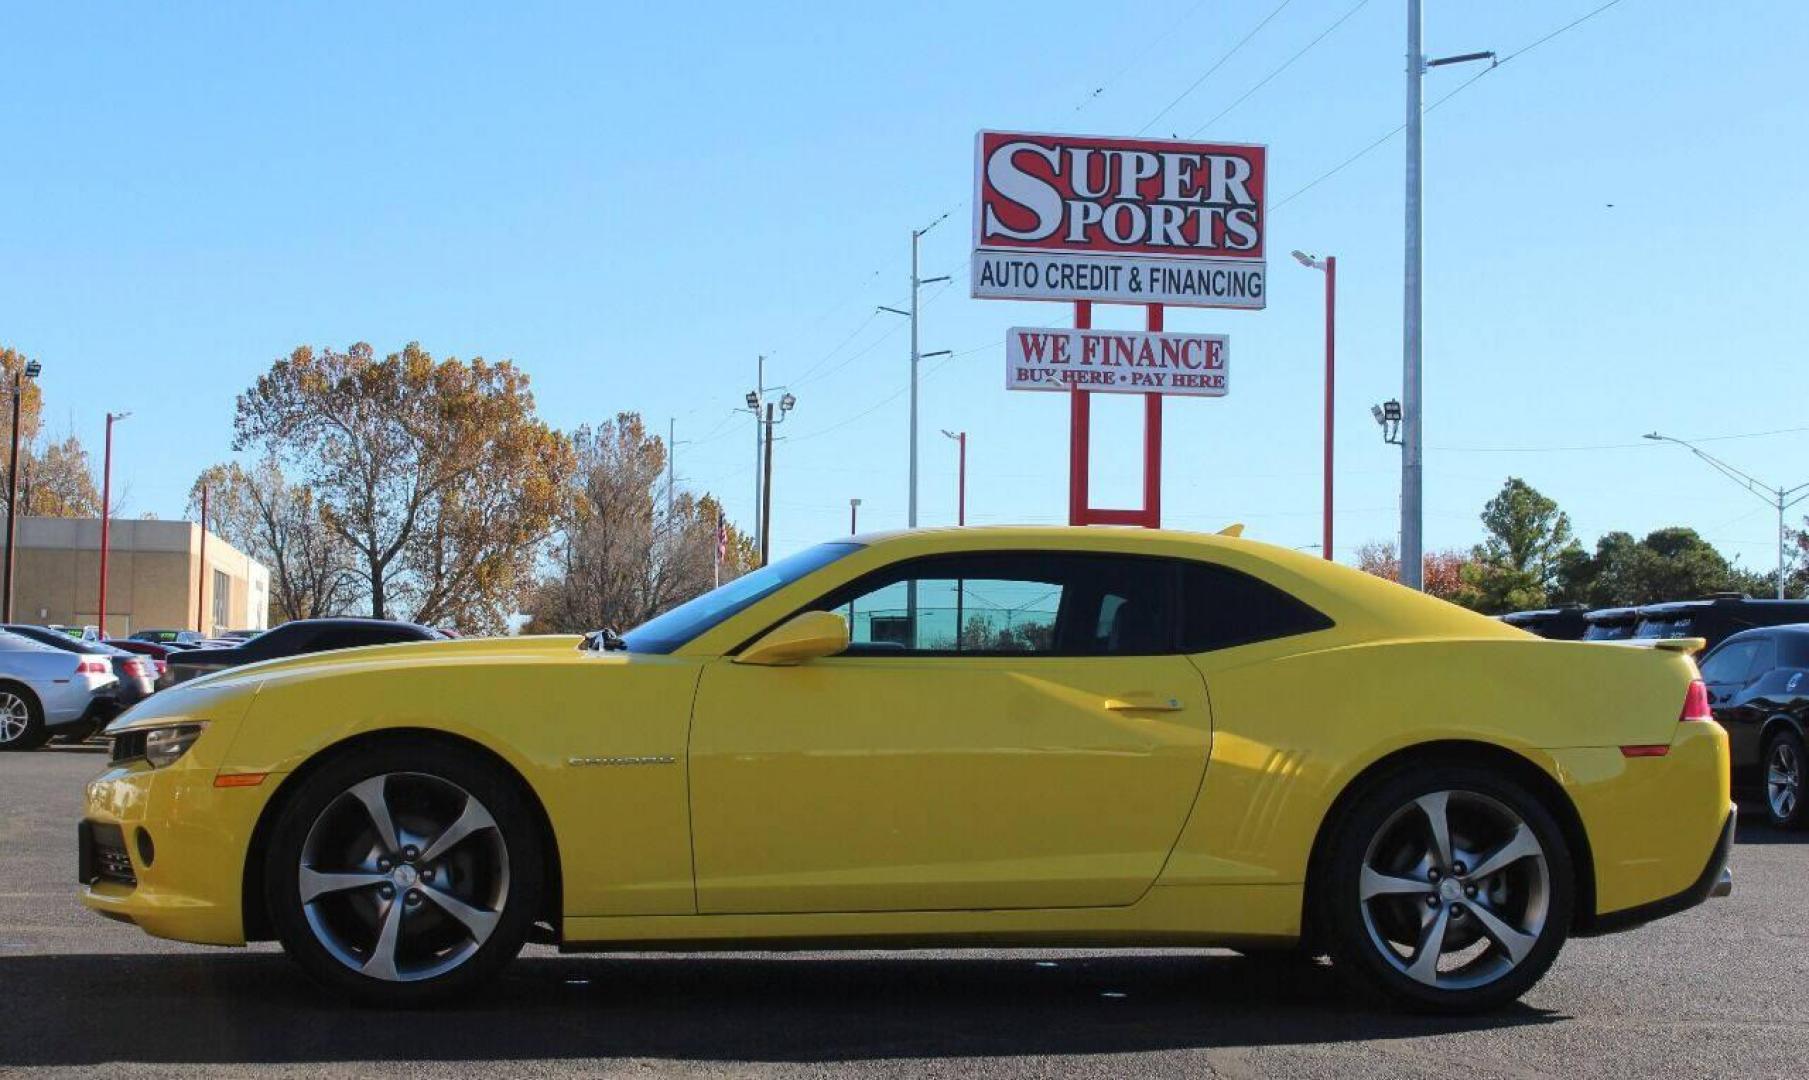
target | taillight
x=93, y=665
x=1696, y=703
x=162, y=666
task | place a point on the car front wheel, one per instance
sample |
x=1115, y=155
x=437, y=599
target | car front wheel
x=1784, y=781
x=404, y=873
x=1447, y=889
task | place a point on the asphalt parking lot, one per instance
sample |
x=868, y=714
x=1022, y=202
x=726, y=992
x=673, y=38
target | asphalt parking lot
x=1719, y=991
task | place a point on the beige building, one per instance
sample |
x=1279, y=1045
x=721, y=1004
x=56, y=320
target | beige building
x=157, y=573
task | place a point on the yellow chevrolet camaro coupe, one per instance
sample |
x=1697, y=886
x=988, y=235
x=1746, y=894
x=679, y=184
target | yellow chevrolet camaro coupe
x=972, y=737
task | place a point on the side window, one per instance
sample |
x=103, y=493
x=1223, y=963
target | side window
x=1764, y=658
x=1049, y=604
x=1223, y=607
x=1730, y=663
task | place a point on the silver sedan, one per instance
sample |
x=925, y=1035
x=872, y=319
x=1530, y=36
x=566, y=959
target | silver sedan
x=45, y=690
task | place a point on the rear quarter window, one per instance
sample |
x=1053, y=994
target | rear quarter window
x=1223, y=608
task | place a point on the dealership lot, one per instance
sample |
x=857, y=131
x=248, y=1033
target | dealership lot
x=1719, y=991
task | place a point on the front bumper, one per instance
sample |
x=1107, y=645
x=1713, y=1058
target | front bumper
x=165, y=849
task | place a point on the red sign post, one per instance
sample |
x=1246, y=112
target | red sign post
x=1092, y=220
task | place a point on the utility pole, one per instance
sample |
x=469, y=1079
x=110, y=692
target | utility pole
x=1780, y=497
x=106, y=512
x=754, y=399
x=1413, y=429
x=766, y=492
x=960, y=438
x=1328, y=266
x=917, y=284
x=854, y=516
x=201, y=577
x=28, y=369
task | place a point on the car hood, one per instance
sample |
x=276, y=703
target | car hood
x=461, y=651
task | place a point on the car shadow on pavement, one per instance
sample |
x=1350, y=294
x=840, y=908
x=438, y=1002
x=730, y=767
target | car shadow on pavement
x=258, y=1008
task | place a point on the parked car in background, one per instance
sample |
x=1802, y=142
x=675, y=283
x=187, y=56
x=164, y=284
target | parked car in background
x=1758, y=686
x=137, y=675
x=182, y=639
x=295, y=639
x=81, y=633
x=157, y=654
x=239, y=635
x=1564, y=623
x=46, y=691
x=1715, y=618
x=1610, y=624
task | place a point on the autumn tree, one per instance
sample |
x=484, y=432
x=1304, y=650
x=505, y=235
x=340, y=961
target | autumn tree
x=31, y=400
x=621, y=556
x=279, y=524
x=58, y=481
x=438, y=475
x=1441, y=573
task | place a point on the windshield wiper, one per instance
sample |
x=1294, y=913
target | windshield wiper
x=605, y=640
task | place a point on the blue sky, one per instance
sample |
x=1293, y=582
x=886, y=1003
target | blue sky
x=633, y=201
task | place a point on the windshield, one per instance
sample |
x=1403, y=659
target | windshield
x=1665, y=626
x=1608, y=631
x=664, y=633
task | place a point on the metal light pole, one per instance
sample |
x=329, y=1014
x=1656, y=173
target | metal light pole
x=960, y=438
x=1329, y=265
x=786, y=404
x=201, y=578
x=917, y=283
x=1780, y=497
x=754, y=399
x=106, y=512
x=28, y=370
x=1412, y=428
x=854, y=515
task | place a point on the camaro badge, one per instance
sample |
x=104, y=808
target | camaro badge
x=649, y=759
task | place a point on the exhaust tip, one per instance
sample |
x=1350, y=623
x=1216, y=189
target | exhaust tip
x=1724, y=885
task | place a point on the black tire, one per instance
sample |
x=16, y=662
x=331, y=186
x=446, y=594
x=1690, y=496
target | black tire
x=431, y=766
x=1784, y=755
x=1375, y=829
x=15, y=697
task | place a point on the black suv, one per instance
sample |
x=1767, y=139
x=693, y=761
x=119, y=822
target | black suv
x=295, y=639
x=1565, y=623
x=1715, y=618
x=1758, y=685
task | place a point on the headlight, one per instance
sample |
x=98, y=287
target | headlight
x=162, y=746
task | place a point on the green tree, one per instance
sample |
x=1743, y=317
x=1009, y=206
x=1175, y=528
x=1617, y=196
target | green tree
x=1528, y=542
x=1673, y=563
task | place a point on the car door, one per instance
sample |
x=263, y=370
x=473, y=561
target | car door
x=1005, y=731
x=1728, y=672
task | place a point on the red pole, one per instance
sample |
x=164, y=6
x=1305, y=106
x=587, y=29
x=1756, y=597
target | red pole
x=1080, y=420
x=201, y=575
x=1331, y=309
x=961, y=483
x=106, y=509
x=1152, y=443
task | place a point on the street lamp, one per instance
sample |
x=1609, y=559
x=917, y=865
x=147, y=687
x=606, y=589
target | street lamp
x=1328, y=265
x=28, y=370
x=1388, y=415
x=106, y=512
x=960, y=438
x=1779, y=497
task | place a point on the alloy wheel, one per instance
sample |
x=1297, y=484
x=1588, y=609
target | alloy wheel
x=403, y=876
x=1783, y=780
x=1455, y=890
x=15, y=716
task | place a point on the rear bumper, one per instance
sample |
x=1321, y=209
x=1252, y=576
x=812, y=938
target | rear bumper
x=1715, y=880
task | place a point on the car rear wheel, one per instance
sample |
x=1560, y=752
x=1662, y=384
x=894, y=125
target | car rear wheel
x=1447, y=889
x=1784, y=762
x=405, y=873
x=21, y=719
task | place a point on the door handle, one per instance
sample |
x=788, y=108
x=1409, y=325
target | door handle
x=1144, y=703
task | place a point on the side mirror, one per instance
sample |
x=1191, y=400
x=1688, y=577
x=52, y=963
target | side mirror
x=808, y=636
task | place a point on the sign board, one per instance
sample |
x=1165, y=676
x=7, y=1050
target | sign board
x=1117, y=361
x=1144, y=221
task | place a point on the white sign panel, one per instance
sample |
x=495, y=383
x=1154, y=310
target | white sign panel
x=1019, y=275
x=1117, y=361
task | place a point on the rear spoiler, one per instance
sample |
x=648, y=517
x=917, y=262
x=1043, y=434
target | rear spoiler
x=1677, y=644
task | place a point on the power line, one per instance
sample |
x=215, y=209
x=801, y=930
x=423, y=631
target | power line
x=1137, y=58
x=1285, y=65
x=1195, y=85
x=1460, y=88
x=1642, y=445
